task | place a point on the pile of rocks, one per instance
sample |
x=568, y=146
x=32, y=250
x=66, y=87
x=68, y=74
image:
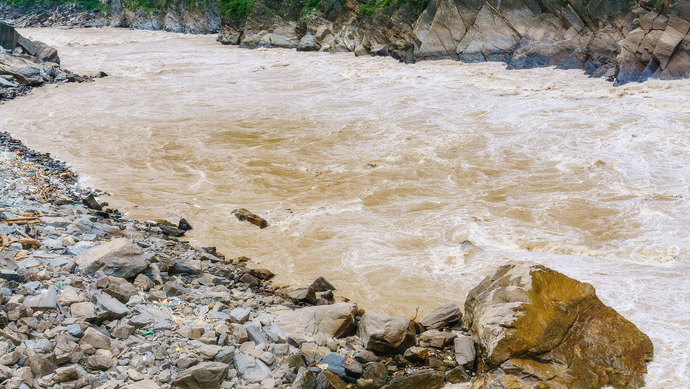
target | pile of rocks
x=93, y=300
x=192, y=17
x=25, y=64
x=66, y=15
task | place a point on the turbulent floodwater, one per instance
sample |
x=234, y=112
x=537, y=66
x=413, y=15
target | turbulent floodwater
x=404, y=185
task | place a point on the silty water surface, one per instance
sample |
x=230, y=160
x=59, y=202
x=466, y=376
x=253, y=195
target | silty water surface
x=404, y=185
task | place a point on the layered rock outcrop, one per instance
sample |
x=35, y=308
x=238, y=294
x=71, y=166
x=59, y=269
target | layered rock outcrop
x=659, y=47
x=604, y=38
x=176, y=16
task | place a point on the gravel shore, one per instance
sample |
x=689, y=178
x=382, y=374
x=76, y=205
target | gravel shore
x=91, y=299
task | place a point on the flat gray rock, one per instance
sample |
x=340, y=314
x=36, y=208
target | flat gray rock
x=250, y=368
x=115, y=308
x=205, y=375
x=330, y=321
x=385, y=334
x=43, y=301
x=442, y=316
x=117, y=258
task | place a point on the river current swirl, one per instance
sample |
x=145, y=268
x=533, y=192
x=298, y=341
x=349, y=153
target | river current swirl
x=404, y=185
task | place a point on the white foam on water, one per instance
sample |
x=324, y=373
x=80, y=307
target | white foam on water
x=404, y=185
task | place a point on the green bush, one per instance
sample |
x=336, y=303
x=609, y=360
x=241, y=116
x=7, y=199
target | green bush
x=236, y=9
x=375, y=6
x=366, y=10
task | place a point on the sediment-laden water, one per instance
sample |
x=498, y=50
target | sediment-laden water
x=404, y=185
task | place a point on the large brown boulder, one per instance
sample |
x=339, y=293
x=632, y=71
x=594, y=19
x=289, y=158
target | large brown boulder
x=534, y=324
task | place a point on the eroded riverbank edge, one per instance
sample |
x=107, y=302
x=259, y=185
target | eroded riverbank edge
x=26, y=64
x=75, y=320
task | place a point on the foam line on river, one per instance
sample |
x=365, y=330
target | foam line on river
x=375, y=174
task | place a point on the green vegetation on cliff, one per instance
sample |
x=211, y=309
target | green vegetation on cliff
x=372, y=7
x=236, y=9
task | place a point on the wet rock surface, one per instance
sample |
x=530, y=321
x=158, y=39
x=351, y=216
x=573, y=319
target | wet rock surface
x=89, y=299
x=174, y=16
x=532, y=323
x=25, y=64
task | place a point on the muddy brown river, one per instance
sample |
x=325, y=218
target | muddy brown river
x=404, y=185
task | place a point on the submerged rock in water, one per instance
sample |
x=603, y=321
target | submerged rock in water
x=242, y=214
x=533, y=324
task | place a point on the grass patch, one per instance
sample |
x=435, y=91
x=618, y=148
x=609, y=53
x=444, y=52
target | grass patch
x=373, y=7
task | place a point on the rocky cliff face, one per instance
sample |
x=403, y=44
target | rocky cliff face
x=175, y=16
x=617, y=39
x=658, y=47
x=611, y=38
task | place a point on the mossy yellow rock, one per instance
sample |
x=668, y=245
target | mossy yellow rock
x=537, y=328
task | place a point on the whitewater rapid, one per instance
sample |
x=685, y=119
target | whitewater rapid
x=404, y=185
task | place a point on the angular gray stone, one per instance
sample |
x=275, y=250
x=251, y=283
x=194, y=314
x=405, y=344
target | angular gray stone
x=116, y=309
x=240, y=315
x=328, y=321
x=376, y=371
x=120, y=289
x=303, y=295
x=465, y=352
x=70, y=295
x=250, y=368
x=436, y=339
x=206, y=375
x=143, y=282
x=44, y=301
x=147, y=315
x=40, y=367
x=122, y=331
x=85, y=311
x=95, y=339
x=10, y=358
x=99, y=362
x=208, y=351
x=67, y=373
x=117, y=258
x=306, y=379
x=143, y=384
x=254, y=334
x=442, y=317
x=385, y=334
x=226, y=355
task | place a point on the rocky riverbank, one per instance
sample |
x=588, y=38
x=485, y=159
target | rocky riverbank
x=25, y=64
x=175, y=16
x=90, y=299
x=619, y=40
